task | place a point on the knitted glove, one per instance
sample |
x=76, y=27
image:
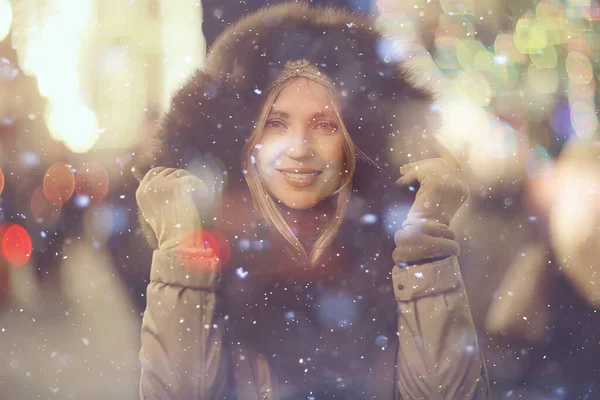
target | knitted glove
x=425, y=235
x=174, y=203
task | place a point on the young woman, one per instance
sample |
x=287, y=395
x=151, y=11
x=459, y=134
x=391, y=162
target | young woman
x=286, y=265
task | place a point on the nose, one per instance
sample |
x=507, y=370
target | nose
x=298, y=144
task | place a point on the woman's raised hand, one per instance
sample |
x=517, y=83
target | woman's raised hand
x=173, y=201
x=443, y=188
x=442, y=191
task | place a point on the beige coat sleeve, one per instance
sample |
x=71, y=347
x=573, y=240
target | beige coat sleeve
x=439, y=356
x=182, y=338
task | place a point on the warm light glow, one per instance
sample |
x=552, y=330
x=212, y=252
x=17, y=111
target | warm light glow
x=463, y=121
x=50, y=48
x=5, y=19
x=74, y=124
x=474, y=86
x=576, y=204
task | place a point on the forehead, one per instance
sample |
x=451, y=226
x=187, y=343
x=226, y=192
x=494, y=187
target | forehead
x=303, y=95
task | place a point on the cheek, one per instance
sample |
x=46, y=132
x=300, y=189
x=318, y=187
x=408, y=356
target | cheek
x=333, y=153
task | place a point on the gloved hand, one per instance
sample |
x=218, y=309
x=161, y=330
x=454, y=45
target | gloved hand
x=425, y=235
x=174, y=202
x=443, y=189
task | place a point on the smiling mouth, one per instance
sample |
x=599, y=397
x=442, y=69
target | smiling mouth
x=300, y=178
x=300, y=175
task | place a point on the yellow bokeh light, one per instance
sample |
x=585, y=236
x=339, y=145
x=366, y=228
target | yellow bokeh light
x=543, y=80
x=530, y=35
x=475, y=86
x=466, y=52
x=579, y=68
x=545, y=58
x=5, y=19
x=74, y=124
x=483, y=61
x=554, y=33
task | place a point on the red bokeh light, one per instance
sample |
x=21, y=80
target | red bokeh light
x=16, y=244
x=192, y=244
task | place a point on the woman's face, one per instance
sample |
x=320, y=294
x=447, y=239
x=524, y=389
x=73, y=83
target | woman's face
x=300, y=156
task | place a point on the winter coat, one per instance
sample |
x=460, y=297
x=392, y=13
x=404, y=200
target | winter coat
x=263, y=327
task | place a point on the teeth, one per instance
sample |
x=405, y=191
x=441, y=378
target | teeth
x=298, y=175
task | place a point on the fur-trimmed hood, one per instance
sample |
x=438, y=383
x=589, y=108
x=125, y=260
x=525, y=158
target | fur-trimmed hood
x=214, y=112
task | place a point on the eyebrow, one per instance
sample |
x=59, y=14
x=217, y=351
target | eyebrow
x=318, y=114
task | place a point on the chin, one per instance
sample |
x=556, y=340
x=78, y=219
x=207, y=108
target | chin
x=300, y=203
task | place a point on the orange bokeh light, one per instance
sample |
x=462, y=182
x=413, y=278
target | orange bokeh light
x=46, y=205
x=59, y=179
x=1, y=181
x=92, y=180
x=16, y=244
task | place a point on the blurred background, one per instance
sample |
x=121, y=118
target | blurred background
x=83, y=82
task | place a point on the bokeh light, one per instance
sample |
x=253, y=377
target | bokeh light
x=193, y=242
x=506, y=51
x=545, y=81
x=92, y=180
x=471, y=54
x=46, y=205
x=5, y=18
x=74, y=124
x=59, y=178
x=584, y=119
x=458, y=7
x=445, y=52
x=579, y=68
x=16, y=244
x=102, y=221
x=530, y=35
x=545, y=58
x=575, y=203
x=1, y=181
x=475, y=87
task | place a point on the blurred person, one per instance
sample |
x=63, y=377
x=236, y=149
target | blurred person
x=546, y=303
x=288, y=256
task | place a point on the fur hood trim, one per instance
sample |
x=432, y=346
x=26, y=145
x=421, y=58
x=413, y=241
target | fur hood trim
x=211, y=116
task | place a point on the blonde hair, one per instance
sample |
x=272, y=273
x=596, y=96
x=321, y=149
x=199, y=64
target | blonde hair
x=266, y=205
